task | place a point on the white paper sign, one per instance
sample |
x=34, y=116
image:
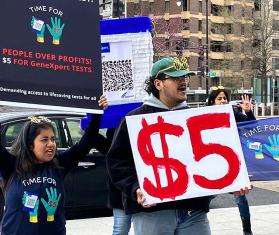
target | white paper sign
x=187, y=153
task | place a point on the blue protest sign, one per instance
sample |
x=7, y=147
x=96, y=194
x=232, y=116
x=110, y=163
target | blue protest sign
x=260, y=144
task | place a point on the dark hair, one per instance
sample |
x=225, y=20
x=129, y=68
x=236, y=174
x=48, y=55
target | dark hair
x=21, y=148
x=213, y=94
x=150, y=86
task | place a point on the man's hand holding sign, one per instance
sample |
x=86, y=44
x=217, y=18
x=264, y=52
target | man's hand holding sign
x=186, y=154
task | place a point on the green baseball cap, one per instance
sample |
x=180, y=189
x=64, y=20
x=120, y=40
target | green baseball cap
x=172, y=67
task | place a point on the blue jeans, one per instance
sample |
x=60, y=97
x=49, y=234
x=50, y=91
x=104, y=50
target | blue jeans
x=243, y=206
x=170, y=222
x=122, y=222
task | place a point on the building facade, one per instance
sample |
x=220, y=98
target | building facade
x=266, y=42
x=181, y=29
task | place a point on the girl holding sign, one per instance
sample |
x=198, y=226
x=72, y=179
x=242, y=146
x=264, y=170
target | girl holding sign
x=34, y=175
x=242, y=112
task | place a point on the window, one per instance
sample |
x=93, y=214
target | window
x=185, y=24
x=151, y=7
x=215, y=10
x=275, y=5
x=11, y=133
x=218, y=46
x=275, y=63
x=200, y=6
x=229, y=28
x=257, y=24
x=256, y=42
x=200, y=26
x=167, y=6
x=275, y=44
x=242, y=12
x=242, y=29
x=216, y=64
x=182, y=44
x=167, y=43
x=257, y=4
x=275, y=25
x=13, y=130
x=241, y=64
x=74, y=129
x=216, y=28
x=242, y=47
x=230, y=9
x=185, y=6
x=221, y=28
x=185, y=43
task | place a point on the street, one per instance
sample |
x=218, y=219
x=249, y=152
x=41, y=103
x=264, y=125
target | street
x=223, y=217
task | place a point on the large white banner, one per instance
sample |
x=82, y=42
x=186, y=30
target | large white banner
x=187, y=153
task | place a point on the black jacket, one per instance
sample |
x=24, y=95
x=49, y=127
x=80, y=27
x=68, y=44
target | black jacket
x=102, y=144
x=122, y=172
x=240, y=117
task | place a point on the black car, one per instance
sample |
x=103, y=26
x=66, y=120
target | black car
x=86, y=185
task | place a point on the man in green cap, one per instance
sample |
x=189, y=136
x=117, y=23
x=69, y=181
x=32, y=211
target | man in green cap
x=167, y=91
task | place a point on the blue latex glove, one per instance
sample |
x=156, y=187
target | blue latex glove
x=33, y=213
x=56, y=29
x=41, y=33
x=273, y=146
x=52, y=204
x=257, y=148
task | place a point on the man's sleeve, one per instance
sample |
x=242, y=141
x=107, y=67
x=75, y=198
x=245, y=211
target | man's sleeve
x=120, y=163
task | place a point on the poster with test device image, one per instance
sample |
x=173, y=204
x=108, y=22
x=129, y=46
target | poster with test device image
x=50, y=55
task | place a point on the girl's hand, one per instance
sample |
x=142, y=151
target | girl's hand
x=103, y=102
x=246, y=104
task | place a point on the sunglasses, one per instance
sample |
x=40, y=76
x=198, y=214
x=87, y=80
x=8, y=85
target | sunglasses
x=39, y=119
x=215, y=88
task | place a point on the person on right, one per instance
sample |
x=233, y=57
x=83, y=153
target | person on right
x=242, y=112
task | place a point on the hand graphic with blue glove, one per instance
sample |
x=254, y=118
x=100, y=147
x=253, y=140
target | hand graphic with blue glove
x=40, y=27
x=56, y=30
x=257, y=147
x=273, y=146
x=51, y=205
x=32, y=203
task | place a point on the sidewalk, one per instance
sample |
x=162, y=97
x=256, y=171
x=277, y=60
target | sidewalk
x=225, y=221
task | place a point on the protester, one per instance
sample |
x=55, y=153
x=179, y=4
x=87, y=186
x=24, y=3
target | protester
x=121, y=221
x=218, y=96
x=167, y=89
x=34, y=174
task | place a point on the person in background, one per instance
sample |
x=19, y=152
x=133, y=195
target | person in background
x=242, y=112
x=34, y=172
x=122, y=222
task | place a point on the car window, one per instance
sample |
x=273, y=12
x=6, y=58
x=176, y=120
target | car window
x=12, y=131
x=76, y=132
x=74, y=129
x=57, y=133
